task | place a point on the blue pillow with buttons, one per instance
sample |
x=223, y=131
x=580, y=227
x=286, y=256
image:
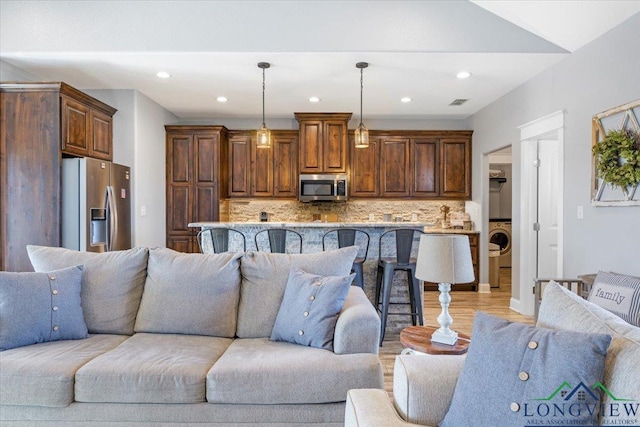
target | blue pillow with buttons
x=517, y=375
x=310, y=308
x=40, y=307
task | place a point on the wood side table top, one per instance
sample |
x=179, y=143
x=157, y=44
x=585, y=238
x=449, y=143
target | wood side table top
x=418, y=338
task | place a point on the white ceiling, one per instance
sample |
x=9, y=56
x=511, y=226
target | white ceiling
x=212, y=48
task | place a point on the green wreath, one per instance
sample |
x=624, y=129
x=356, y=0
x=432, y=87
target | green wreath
x=618, y=158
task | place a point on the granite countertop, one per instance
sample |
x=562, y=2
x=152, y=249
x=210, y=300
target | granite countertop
x=438, y=230
x=319, y=224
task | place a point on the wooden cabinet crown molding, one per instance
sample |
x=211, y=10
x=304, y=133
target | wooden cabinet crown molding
x=323, y=116
x=63, y=89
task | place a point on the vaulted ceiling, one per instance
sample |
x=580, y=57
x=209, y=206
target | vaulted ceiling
x=211, y=49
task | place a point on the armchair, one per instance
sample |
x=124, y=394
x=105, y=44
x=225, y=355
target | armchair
x=423, y=387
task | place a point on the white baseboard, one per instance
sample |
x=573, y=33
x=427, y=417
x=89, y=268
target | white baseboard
x=515, y=305
x=484, y=288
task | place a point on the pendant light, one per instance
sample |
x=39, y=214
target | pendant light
x=264, y=134
x=361, y=133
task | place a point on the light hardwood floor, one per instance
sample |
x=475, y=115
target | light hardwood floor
x=462, y=309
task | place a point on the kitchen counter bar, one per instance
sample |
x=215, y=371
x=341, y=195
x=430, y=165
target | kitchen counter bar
x=312, y=233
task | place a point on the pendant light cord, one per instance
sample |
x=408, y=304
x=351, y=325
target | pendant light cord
x=361, y=88
x=263, y=86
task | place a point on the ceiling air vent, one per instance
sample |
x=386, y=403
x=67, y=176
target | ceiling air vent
x=458, y=101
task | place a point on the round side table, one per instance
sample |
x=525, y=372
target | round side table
x=417, y=339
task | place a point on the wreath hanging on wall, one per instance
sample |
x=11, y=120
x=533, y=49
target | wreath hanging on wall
x=618, y=158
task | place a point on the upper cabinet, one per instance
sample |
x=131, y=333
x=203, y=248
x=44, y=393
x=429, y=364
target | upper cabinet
x=265, y=171
x=395, y=173
x=40, y=122
x=86, y=125
x=455, y=170
x=413, y=164
x=323, y=142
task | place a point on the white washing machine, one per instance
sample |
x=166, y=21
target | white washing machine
x=500, y=234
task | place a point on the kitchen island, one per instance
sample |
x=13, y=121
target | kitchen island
x=312, y=233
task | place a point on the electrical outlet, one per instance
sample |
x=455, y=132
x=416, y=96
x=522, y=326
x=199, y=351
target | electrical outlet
x=580, y=212
x=143, y=211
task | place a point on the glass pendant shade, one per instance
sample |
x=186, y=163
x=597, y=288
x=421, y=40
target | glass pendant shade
x=362, y=133
x=264, y=137
x=361, y=136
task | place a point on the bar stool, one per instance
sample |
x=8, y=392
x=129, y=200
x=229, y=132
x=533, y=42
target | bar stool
x=348, y=237
x=387, y=266
x=278, y=239
x=219, y=238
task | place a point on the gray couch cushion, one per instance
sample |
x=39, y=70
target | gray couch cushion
x=264, y=277
x=562, y=309
x=43, y=374
x=151, y=368
x=40, y=307
x=619, y=294
x=193, y=294
x=259, y=371
x=518, y=369
x=112, y=284
x=310, y=309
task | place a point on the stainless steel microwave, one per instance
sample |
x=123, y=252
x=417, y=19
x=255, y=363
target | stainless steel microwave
x=329, y=187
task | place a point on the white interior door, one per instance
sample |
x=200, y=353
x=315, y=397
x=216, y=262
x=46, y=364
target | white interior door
x=541, y=206
x=548, y=211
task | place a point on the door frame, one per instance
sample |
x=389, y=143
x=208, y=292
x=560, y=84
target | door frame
x=550, y=126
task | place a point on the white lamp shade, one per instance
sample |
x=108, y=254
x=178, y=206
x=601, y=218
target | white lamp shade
x=444, y=258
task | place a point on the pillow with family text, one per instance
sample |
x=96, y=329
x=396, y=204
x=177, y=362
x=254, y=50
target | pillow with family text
x=619, y=294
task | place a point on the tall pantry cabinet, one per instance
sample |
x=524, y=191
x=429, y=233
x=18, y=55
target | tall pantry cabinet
x=41, y=122
x=196, y=170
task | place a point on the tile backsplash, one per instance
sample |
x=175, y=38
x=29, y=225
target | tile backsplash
x=241, y=210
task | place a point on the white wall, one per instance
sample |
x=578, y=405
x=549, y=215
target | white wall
x=11, y=73
x=602, y=75
x=150, y=171
x=139, y=142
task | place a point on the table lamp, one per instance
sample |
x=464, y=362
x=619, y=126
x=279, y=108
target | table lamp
x=444, y=259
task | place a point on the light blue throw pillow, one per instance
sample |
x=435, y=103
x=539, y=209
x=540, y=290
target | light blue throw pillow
x=310, y=308
x=40, y=307
x=517, y=375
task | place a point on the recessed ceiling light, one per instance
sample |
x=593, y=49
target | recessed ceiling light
x=163, y=74
x=222, y=99
x=314, y=99
x=463, y=75
x=405, y=99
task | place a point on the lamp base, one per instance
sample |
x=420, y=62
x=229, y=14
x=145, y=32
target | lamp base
x=442, y=337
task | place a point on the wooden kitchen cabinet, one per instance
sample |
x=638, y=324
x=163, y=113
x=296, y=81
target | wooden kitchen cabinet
x=240, y=163
x=323, y=142
x=36, y=119
x=285, y=163
x=365, y=169
x=263, y=172
x=425, y=167
x=455, y=168
x=395, y=167
x=86, y=126
x=196, y=180
x=413, y=164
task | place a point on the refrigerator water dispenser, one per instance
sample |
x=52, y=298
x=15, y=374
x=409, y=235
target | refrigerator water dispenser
x=98, y=226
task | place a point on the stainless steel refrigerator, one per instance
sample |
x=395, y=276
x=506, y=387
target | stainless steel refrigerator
x=96, y=205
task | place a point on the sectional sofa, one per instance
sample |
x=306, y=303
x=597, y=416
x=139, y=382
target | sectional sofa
x=176, y=339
